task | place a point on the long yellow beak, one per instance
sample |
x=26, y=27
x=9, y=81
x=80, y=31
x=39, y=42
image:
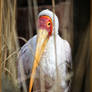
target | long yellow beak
x=42, y=39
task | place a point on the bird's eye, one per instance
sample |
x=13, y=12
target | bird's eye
x=48, y=24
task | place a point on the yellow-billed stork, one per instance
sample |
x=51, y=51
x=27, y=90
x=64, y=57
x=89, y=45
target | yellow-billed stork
x=43, y=48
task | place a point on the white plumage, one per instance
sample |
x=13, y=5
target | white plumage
x=48, y=63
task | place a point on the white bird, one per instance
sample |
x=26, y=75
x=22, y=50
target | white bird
x=43, y=48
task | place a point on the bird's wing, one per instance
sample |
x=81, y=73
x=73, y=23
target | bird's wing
x=25, y=59
x=68, y=64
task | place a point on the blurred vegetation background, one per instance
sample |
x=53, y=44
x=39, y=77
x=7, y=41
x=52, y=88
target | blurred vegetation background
x=18, y=26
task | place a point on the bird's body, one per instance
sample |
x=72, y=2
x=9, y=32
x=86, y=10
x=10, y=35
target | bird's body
x=48, y=61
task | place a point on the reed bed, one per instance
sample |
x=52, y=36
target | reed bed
x=10, y=45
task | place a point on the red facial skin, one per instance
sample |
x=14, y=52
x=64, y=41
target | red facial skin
x=45, y=22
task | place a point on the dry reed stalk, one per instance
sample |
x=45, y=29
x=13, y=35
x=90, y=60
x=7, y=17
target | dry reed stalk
x=30, y=17
x=57, y=73
x=91, y=48
x=0, y=39
x=23, y=39
x=35, y=11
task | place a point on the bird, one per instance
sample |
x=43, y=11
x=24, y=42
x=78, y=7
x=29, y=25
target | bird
x=46, y=52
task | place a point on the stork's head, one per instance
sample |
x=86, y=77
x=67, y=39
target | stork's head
x=49, y=21
x=47, y=25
